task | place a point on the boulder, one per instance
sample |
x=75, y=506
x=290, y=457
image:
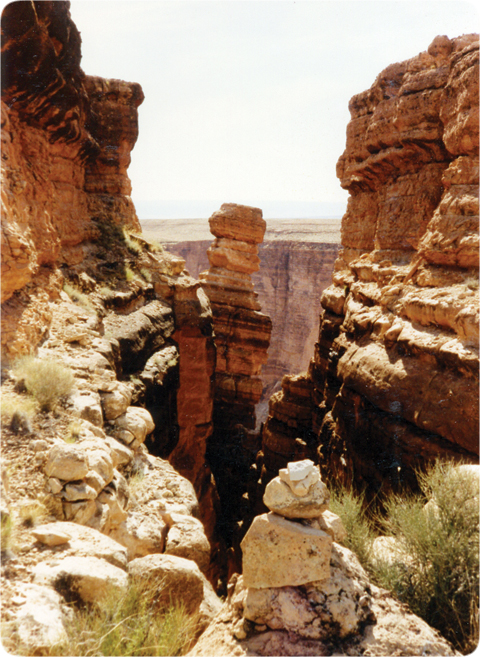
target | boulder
x=186, y=538
x=137, y=421
x=280, y=498
x=87, y=579
x=121, y=454
x=331, y=524
x=40, y=620
x=279, y=552
x=178, y=580
x=116, y=402
x=86, y=405
x=67, y=461
x=82, y=541
x=143, y=532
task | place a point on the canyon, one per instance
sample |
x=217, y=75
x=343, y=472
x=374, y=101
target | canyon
x=296, y=264
x=154, y=464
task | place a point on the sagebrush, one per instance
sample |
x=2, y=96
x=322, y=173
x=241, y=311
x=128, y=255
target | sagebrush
x=435, y=565
x=46, y=380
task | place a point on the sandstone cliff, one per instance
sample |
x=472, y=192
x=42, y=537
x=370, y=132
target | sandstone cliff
x=296, y=264
x=394, y=378
x=79, y=283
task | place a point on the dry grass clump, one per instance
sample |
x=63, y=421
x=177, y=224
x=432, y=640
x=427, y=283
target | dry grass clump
x=131, y=624
x=78, y=297
x=18, y=411
x=45, y=380
x=435, y=565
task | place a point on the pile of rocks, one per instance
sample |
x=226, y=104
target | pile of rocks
x=293, y=572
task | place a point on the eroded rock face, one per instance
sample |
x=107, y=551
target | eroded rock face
x=394, y=378
x=61, y=166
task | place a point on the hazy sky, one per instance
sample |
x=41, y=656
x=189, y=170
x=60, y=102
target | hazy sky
x=246, y=101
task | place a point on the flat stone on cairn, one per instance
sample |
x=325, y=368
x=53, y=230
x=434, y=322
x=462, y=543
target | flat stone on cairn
x=280, y=550
x=298, y=491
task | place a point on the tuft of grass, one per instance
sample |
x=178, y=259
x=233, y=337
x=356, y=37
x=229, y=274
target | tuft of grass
x=129, y=274
x=79, y=297
x=130, y=624
x=32, y=512
x=154, y=246
x=74, y=432
x=472, y=283
x=147, y=274
x=350, y=506
x=132, y=245
x=17, y=410
x=45, y=380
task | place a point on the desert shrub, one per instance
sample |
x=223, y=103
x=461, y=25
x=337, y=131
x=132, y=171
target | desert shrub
x=350, y=506
x=436, y=572
x=17, y=411
x=130, y=624
x=46, y=380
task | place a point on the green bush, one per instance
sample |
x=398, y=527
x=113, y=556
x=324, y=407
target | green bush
x=131, y=624
x=46, y=380
x=434, y=568
x=350, y=506
x=439, y=577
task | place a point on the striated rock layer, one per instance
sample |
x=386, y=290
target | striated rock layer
x=79, y=283
x=242, y=336
x=394, y=378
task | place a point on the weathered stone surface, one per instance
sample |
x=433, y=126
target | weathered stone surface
x=40, y=621
x=280, y=499
x=137, y=421
x=86, y=405
x=332, y=524
x=279, y=552
x=116, y=402
x=88, y=578
x=345, y=610
x=178, y=579
x=67, y=461
x=82, y=541
x=186, y=538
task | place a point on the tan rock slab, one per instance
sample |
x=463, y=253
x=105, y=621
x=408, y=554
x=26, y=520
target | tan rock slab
x=186, y=538
x=279, y=552
x=40, y=621
x=83, y=541
x=66, y=461
x=116, y=402
x=92, y=579
x=280, y=498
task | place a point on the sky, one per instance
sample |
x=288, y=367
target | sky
x=246, y=101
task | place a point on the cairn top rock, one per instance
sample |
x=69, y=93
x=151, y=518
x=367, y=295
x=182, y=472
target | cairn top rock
x=297, y=498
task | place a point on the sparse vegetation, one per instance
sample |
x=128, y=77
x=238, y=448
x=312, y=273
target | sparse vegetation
x=32, y=512
x=73, y=432
x=129, y=274
x=17, y=411
x=46, y=380
x=78, y=297
x=132, y=245
x=435, y=569
x=472, y=283
x=131, y=624
x=147, y=274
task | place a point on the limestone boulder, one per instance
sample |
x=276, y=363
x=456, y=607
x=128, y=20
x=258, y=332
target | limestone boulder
x=121, y=454
x=40, y=621
x=186, y=538
x=86, y=405
x=66, y=461
x=115, y=402
x=177, y=580
x=137, y=421
x=278, y=552
x=87, y=579
x=142, y=532
x=280, y=498
x=81, y=541
x=332, y=524
x=300, y=476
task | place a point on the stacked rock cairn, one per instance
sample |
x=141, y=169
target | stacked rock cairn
x=296, y=575
x=296, y=535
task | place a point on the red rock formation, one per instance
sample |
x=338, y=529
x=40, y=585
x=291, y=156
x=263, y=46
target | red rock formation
x=242, y=336
x=242, y=333
x=60, y=166
x=394, y=379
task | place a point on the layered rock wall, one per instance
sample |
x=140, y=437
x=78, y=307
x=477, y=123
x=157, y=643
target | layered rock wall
x=61, y=167
x=394, y=378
